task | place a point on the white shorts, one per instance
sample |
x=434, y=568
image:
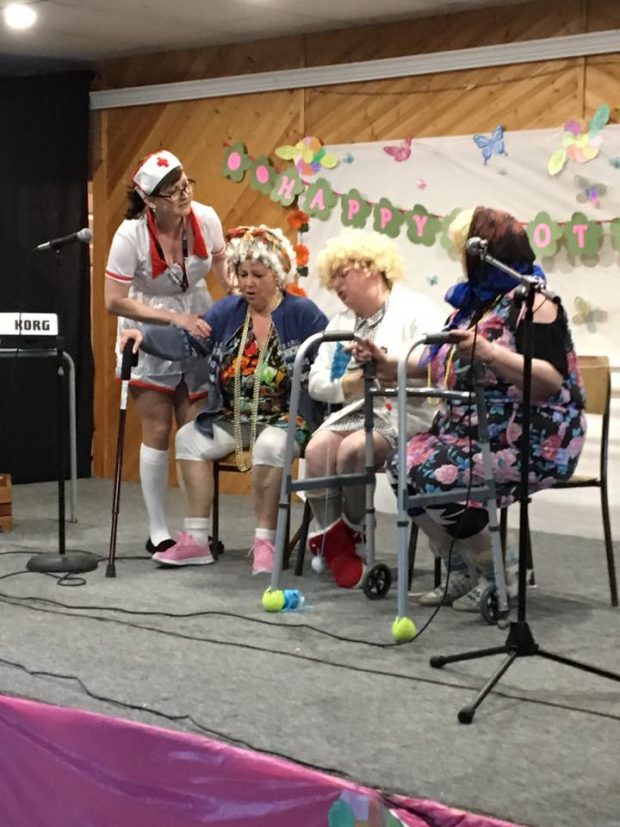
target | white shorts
x=269, y=447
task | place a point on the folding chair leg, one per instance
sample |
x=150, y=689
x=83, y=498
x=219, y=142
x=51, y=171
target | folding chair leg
x=609, y=547
x=301, y=538
x=413, y=546
x=437, y=571
x=215, y=507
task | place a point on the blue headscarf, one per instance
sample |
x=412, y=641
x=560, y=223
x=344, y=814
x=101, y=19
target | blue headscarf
x=470, y=296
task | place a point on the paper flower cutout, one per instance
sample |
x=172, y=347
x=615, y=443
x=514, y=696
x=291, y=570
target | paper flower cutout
x=236, y=161
x=262, y=175
x=581, y=142
x=355, y=209
x=309, y=156
x=492, y=145
x=582, y=237
x=319, y=199
x=422, y=226
x=544, y=234
x=591, y=192
x=287, y=186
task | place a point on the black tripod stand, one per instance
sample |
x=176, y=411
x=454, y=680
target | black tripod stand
x=62, y=561
x=520, y=642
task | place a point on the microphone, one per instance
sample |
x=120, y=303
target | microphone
x=477, y=246
x=84, y=236
x=441, y=338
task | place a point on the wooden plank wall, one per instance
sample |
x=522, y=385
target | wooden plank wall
x=526, y=96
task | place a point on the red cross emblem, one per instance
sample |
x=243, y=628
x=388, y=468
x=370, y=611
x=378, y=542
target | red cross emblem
x=163, y=162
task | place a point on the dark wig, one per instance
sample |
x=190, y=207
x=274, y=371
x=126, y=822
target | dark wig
x=507, y=240
x=135, y=202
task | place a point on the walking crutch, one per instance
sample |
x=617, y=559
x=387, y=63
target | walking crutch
x=129, y=360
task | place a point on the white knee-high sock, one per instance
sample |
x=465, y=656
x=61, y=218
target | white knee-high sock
x=154, y=481
x=199, y=528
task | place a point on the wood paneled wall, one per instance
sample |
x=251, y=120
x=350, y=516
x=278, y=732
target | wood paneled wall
x=525, y=96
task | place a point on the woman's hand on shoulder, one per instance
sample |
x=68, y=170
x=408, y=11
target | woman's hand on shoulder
x=127, y=335
x=193, y=323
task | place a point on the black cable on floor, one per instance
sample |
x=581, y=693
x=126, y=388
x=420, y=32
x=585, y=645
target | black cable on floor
x=311, y=659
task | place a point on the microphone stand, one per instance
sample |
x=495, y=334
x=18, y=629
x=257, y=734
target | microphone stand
x=520, y=642
x=62, y=561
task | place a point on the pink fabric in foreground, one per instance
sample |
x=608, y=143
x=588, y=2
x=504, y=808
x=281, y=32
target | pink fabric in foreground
x=68, y=768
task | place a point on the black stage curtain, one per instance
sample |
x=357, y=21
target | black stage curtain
x=44, y=195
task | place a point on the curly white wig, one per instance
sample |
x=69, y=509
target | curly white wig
x=268, y=245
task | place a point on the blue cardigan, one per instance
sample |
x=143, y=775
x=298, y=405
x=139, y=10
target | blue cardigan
x=294, y=320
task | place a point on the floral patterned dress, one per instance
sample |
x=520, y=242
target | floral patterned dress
x=442, y=458
x=274, y=391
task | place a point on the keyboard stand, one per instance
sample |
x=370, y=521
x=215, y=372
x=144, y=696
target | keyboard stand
x=46, y=352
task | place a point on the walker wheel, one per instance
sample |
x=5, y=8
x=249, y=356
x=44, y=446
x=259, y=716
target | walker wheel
x=377, y=581
x=489, y=606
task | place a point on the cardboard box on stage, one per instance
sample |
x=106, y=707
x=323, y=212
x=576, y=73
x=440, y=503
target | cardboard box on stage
x=6, y=503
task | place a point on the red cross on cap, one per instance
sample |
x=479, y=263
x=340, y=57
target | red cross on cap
x=163, y=162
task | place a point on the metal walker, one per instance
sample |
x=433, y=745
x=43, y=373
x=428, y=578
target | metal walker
x=378, y=578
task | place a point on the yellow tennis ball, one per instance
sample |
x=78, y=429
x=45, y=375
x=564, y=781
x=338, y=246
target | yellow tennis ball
x=403, y=630
x=273, y=600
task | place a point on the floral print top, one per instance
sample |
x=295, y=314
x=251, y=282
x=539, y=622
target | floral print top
x=274, y=391
x=440, y=459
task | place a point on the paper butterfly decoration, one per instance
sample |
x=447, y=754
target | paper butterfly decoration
x=309, y=156
x=590, y=191
x=421, y=184
x=586, y=314
x=493, y=145
x=432, y=280
x=400, y=152
x=615, y=162
x=348, y=158
x=581, y=142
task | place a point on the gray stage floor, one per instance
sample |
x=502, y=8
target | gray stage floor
x=192, y=649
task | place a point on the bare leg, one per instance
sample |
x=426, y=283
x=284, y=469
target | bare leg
x=266, y=482
x=351, y=460
x=196, y=481
x=321, y=457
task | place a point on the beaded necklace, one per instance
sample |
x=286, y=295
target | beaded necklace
x=243, y=458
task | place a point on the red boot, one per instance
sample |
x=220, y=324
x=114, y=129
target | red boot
x=337, y=546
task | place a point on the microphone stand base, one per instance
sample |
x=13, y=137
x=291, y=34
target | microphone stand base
x=71, y=562
x=520, y=643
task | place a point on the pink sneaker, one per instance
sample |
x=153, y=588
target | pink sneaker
x=185, y=552
x=262, y=556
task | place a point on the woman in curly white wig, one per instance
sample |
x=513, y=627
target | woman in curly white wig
x=365, y=271
x=250, y=350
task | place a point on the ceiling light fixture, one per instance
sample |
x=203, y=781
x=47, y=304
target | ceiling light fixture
x=19, y=16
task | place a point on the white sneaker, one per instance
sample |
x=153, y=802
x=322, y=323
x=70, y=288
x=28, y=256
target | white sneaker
x=470, y=602
x=459, y=583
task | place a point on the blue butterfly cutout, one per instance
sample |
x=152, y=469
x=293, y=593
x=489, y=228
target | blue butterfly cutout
x=491, y=146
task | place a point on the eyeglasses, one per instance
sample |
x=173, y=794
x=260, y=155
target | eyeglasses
x=178, y=193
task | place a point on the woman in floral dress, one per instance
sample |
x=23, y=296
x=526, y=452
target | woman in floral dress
x=488, y=323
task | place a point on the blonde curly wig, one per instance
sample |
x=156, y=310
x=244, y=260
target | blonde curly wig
x=367, y=250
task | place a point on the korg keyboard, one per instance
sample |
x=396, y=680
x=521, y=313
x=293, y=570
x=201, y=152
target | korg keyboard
x=26, y=330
